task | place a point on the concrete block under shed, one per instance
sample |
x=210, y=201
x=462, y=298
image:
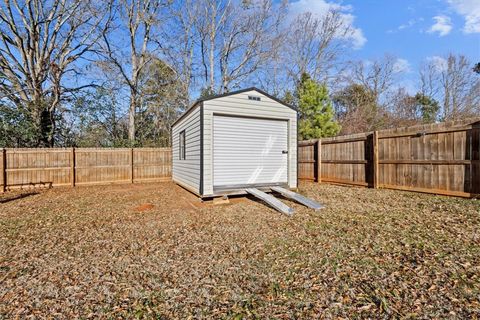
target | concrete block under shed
x=221, y=201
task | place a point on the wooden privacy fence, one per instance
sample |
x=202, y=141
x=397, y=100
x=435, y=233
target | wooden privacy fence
x=20, y=168
x=309, y=160
x=439, y=158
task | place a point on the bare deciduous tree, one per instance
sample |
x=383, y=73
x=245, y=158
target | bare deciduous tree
x=368, y=96
x=452, y=81
x=460, y=88
x=429, y=79
x=315, y=43
x=357, y=109
x=249, y=40
x=129, y=47
x=162, y=94
x=41, y=43
x=377, y=75
x=235, y=39
x=180, y=36
x=210, y=18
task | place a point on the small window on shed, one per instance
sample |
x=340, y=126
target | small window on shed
x=254, y=98
x=181, y=145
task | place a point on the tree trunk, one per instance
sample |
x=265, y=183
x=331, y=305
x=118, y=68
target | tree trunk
x=131, y=117
x=51, y=127
x=212, y=69
x=44, y=124
x=42, y=121
x=446, y=104
x=212, y=57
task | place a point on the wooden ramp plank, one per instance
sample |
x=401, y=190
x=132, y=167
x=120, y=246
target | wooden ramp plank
x=299, y=198
x=271, y=200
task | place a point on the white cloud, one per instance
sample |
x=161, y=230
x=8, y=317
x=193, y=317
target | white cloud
x=443, y=25
x=440, y=63
x=470, y=10
x=402, y=66
x=321, y=7
x=408, y=25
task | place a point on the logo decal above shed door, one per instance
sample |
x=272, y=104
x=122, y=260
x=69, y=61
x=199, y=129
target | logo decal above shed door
x=249, y=151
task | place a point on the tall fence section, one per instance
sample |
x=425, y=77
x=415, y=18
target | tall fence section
x=439, y=158
x=21, y=168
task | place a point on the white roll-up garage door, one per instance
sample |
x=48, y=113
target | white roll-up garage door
x=249, y=151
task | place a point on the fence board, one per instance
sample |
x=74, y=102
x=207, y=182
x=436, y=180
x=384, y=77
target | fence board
x=346, y=159
x=37, y=167
x=95, y=165
x=3, y=173
x=307, y=159
x=152, y=164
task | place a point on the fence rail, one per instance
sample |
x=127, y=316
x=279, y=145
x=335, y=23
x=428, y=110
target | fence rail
x=440, y=158
x=21, y=168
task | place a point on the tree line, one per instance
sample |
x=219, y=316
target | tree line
x=119, y=72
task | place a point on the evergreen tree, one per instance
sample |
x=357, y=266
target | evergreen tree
x=427, y=107
x=206, y=92
x=289, y=98
x=357, y=109
x=316, y=110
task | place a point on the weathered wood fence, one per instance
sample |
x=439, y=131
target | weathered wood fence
x=439, y=158
x=20, y=168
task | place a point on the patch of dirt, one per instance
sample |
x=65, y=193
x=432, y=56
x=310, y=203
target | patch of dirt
x=144, y=207
x=84, y=253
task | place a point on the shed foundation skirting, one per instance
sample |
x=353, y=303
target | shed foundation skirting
x=240, y=191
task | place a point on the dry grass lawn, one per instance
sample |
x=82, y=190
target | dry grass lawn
x=154, y=251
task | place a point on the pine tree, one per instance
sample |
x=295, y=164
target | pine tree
x=316, y=110
x=428, y=107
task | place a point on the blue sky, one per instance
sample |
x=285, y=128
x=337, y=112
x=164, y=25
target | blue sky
x=406, y=28
x=410, y=30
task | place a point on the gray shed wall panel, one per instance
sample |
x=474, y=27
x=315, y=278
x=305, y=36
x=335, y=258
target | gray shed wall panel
x=187, y=172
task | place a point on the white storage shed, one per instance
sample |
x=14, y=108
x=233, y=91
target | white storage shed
x=226, y=143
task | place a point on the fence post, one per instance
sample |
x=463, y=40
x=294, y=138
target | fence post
x=72, y=167
x=375, y=159
x=131, y=165
x=319, y=160
x=4, y=170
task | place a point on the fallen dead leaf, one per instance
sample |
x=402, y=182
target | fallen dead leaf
x=81, y=253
